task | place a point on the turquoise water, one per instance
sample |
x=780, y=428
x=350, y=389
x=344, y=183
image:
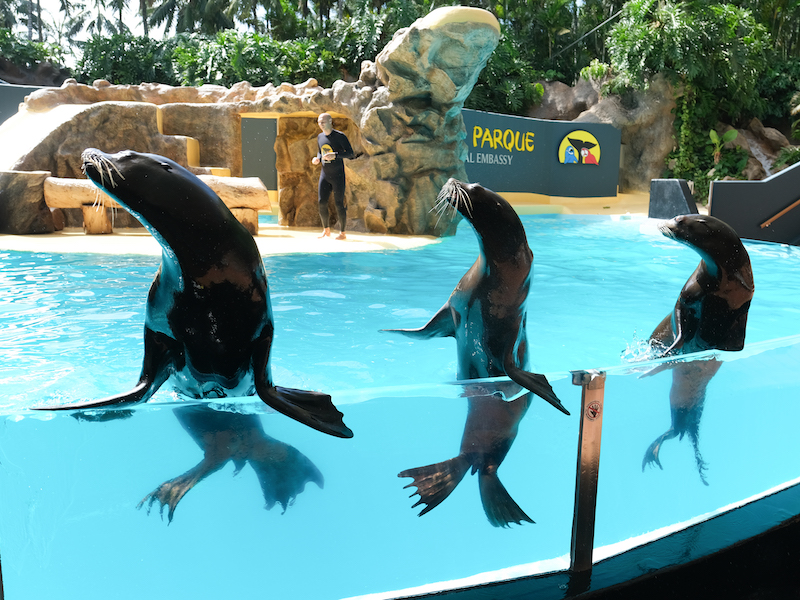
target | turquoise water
x=71, y=324
x=70, y=329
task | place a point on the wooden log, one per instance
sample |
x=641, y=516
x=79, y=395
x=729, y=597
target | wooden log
x=95, y=220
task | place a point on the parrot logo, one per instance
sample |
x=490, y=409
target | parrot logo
x=579, y=148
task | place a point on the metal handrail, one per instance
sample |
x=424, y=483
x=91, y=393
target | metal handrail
x=771, y=220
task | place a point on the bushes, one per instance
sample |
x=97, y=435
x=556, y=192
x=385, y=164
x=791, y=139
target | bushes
x=127, y=59
x=27, y=54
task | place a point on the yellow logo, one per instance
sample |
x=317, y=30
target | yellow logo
x=580, y=148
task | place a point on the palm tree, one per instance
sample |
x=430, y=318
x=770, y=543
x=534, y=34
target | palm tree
x=119, y=6
x=189, y=16
x=93, y=20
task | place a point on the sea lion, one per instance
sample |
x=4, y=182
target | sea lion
x=486, y=313
x=208, y=319
x=490, y=430
x=711, y=313
x=282, y=470
x=487, y=310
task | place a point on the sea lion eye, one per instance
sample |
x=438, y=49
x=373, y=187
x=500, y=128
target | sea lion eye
x=166, y=166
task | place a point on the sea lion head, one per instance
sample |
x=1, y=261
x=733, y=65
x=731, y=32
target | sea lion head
x=158, y=191
x=714, y=240
x=494, y=220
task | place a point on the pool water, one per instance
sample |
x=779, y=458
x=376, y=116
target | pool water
x=71, y=327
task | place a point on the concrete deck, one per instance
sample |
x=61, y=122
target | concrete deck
x=274, y=239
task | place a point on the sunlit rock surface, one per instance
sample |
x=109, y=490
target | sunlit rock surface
x=403, y=118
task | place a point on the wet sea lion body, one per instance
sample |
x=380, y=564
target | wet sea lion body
x=487, y=311
x=486, y=314
x=710, y=314
x=208, y=320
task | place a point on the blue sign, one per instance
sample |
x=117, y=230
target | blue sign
x=552, y=158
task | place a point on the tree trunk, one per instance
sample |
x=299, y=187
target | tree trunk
x=143, y=12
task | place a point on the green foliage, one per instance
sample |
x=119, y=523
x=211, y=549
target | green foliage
x=127, y=59
x=717, y=142
x=695, y=157
x=716, y=47
x=230, y=57
x=508, y=84
x=775, y=88
x=27, y=54
x=795, y=110
x=366, y=31
x=596, y=70
x=786, y=157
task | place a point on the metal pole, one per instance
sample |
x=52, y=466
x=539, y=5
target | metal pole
x=593, y=384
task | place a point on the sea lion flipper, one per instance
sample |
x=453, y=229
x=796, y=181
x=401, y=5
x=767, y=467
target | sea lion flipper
x=440, y=325
x=314, y=409
x=155, y=371
x=499, y=506
x=536, y=383
x=169, y=493
x=651, y=454
x=436, y=482
x=283, y=472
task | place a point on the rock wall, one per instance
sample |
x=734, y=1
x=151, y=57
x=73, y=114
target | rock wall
x=403, y=117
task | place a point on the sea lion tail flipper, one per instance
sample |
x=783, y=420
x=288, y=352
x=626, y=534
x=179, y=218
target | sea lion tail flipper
x=499, y=506
x=441, y=325
x=536, y=383
x=283, y=472
x=436, y=482
x=651, y=454
x=309, y=408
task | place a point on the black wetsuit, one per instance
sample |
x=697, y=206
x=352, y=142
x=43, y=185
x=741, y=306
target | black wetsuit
x=332, y=176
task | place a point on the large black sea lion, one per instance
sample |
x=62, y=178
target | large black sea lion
x=710, y=314
x=711, y=311
x=486, y=313
x=208, y=320
x=487, y=310
x=282, y=470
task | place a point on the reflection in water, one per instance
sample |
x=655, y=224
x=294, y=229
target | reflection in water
x=686, y=398
x=491, y=427
x=282, y=470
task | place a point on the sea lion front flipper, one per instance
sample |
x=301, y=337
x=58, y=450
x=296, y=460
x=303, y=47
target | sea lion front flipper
x=314, y=409
x=158, y=356
x=499, y=506
x=171, y=492
x=536, y=383
x=440, y=325
x=436, y=482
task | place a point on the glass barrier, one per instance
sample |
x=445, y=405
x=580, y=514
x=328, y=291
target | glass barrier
x=81, y=498
x=722, y=428
x=171, y=497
